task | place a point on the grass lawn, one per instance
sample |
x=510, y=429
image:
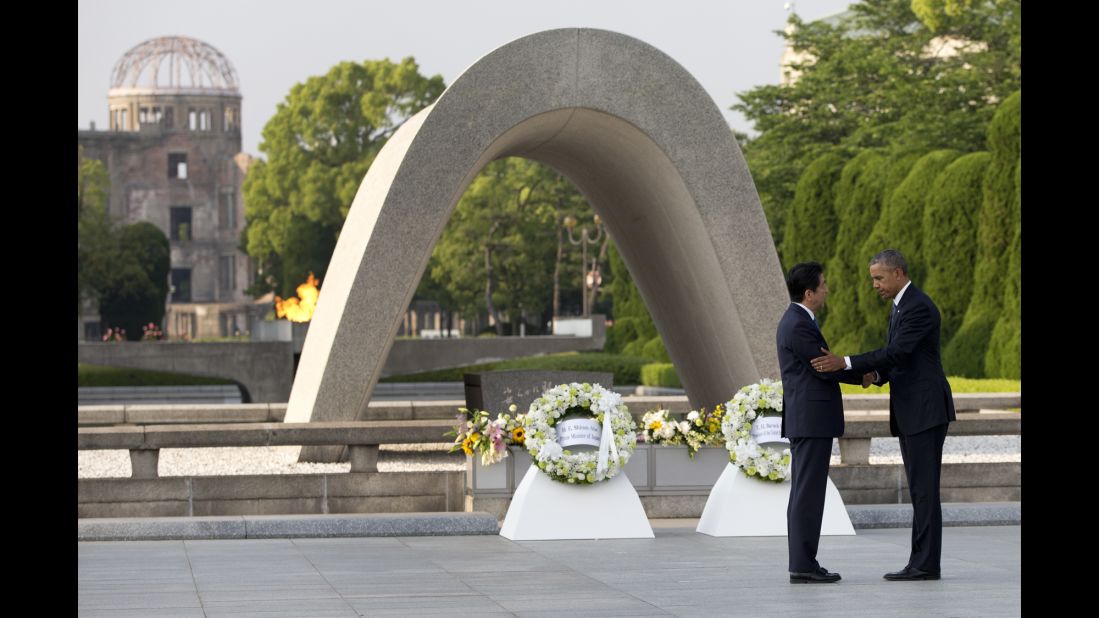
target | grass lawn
x=957, y=385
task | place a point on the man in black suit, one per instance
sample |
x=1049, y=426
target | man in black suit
x=921, y=405
x=812, y=414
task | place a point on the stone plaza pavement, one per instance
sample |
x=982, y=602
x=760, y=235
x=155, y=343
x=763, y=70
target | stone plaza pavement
x=679, y=573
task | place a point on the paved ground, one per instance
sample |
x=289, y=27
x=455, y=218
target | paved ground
x=680, y=573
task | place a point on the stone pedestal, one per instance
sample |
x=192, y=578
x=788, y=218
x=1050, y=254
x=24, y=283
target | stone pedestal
x=742, y=506
x=543, y=509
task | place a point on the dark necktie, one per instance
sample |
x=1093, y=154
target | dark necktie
x=892, y=313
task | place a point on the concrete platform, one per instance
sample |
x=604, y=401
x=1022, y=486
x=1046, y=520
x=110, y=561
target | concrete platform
x=677, y=573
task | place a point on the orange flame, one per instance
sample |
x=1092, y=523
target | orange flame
x=300, y=309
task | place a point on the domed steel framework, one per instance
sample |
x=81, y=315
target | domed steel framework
x=174, y=64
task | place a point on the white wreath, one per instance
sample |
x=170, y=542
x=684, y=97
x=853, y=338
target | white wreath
x=761, y=399
x=618, y=435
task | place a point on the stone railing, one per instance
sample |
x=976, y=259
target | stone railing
x=144, y=430
x=859, y=430
x=361, y=437
x=361, y=490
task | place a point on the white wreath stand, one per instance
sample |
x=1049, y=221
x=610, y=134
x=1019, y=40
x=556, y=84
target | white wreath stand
x=742, y=506
x=544, y=509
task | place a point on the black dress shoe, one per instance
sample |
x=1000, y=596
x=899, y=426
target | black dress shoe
x=820, y=576
x=910, y=574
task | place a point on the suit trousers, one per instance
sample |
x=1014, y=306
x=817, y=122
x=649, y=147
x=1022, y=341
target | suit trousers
x=922, y=454
x=809, y=458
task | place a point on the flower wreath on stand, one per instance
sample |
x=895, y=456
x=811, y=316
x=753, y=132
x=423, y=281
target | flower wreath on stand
x=760, y=400
x=617, y=433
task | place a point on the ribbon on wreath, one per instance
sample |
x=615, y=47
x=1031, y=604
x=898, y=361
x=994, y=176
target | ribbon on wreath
x=607, y=447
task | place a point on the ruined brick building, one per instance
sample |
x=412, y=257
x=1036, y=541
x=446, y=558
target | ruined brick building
x=173, y=153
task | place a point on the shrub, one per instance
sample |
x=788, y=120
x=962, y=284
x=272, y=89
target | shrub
x=660, y=374
x=965, y=353
x=950, y=236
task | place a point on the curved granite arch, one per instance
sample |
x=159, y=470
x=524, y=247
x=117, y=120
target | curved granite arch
x=646, y=146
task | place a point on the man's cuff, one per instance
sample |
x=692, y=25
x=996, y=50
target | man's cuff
x=847, y=359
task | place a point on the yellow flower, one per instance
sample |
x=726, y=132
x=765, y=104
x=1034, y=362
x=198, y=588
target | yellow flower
x=475, y=438
x=518, y=436
x=655, y=425
x=467, y=446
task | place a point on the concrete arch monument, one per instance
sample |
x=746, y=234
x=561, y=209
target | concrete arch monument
x=644, y=143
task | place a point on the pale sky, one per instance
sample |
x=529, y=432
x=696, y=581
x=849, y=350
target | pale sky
x=728, y=45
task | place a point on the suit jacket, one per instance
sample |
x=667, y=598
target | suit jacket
x=919, y=395
x=812, y=406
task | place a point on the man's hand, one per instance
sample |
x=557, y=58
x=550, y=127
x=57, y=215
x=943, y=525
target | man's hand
x=828, y=362
x=869, y=378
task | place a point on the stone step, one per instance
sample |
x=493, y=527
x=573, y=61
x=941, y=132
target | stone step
x=285, y=526
x=863, y=517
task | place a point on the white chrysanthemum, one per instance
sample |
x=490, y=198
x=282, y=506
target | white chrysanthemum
x=666, y=430
x=550, y=450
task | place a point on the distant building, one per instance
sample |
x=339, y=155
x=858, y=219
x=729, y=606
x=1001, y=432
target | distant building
x=173, y=153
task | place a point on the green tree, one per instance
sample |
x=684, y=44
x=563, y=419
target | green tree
x=537, y=199
x=878, y=79
x=135, y=289
x=865, y=183
x=950, y=239
x=1004, y=357
x=963, y=17
x=995, y=230
x=566, y=201
x=844, y=270
x=935, y=14
x=123, y=270
x=900, y=227
x=497, y=250
x=429, y=289
x=633, y=332
x=319, y=145
x=812, y=225
x=94, y=229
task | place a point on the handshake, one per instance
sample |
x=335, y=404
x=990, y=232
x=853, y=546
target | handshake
x=831, y=362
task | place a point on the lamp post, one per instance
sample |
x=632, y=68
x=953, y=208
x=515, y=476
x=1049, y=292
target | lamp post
x=590, y=276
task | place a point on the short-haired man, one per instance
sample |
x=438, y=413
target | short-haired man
x=921, y=405
x=812, y=414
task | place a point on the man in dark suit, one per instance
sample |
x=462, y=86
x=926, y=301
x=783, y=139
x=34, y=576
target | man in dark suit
x=921, y=405
x=812, y=414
